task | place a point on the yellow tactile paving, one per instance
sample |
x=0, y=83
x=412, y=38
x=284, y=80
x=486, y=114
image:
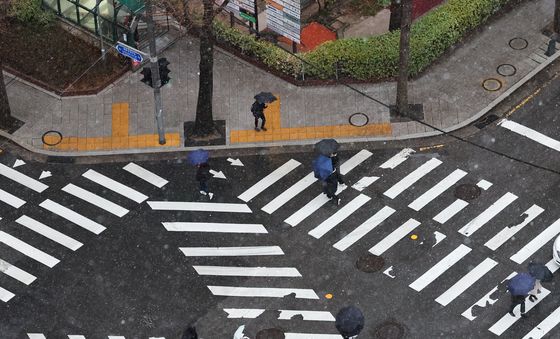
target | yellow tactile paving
x=275, y=131
x=119, y=139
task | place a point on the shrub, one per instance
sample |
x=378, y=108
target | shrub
x=30, y=12
x=375, y=57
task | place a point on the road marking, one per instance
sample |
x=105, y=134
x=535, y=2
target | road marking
x=507, y=320
x=488, y=214
x=36, y=336
x=72, y=216
x=243, y=313
x=530, y=133
x=398, y=159
x=485, y=301
x=22, y=179
x=439, y=237
x=394, y=237
x=145, y=175
x=552, y=265
x=466, y=281
x=5, y=295
x=311, y=336
x=364, y=228
x=485, y=185
x=269, y=180
x=96, y=200
x=231, y=251
x=233, y=271
x=16, y=273
x=115, y=186
x=49, y=232
x=450, y=211
x=509, y=231
x=412, y=178
x=339, y=216
x=311, y=207
x=74, y=336
x=438, y=269
x=309, y=179
x=116, y=337
x=539, y=241
x=238, y=291
x=307, y=315
x=544, y=326
x=198, y=206
x=437, y=190
x=213, y=227
x=11, y=199
x=28, y=250
x=364, y=183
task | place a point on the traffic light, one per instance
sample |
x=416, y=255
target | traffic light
x=163, y=70
x=147, y=73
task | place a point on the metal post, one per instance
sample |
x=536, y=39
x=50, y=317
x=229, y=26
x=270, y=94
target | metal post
x=256, y=20
x=100, y=30
x=155, y=71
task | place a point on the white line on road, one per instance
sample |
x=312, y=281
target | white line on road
x=5, y=295
x=96, y=200
x=269, y=180
x=145, y=175
x=22, y=179
x=49, y=232
x=16, y=273
x=544, y=326
x=412, y=178
x=437, y=190
x=115, y=186
x=339, y=216
x=36, y=336
x=238, y=291
x=72, y=216
x=485, y=301
x=28, y=250
x=509, y=231
x=311, y=207
x=353, y=162
x=448, y=213
x=307, y=315
x=290, y=335
x=75, y=336
x=539, y=241
x=364, y=183
x=552, y=265
x=243, y=313
x=398, y=159
x=488, y=214
x=364, y=228
x=213, y=227
x=394, y=237
x=530, y=133
x=231, y=251
x=11, y=199
x=438, y=269
x=466, y=281
x=234, y=271
x=198, y=206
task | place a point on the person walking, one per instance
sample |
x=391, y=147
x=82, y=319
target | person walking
x=330, y=186
x=518, y=300
x=202, y=176
x=258, y=112
x=519, y=287
x=336, y=167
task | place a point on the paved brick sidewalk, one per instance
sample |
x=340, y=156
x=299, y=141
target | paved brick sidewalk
x=121, y=117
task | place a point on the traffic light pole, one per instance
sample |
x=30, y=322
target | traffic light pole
x=155, y=71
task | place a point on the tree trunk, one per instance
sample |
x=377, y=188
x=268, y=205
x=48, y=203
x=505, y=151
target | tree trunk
x=204, y=123
x=5, y=112
x=404, y=55
x=556, y=24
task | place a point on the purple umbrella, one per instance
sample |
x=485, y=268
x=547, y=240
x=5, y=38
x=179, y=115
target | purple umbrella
x=521, y=284
x=198, y=157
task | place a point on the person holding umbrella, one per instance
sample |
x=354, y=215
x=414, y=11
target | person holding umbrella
x=199, y=158
x=349, y=322
x=541, y=273
x=324, y=171
x=258, y=107
x=519, y=287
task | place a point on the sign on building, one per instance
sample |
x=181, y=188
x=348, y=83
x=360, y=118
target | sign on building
x=283, y=17
x=244, y=8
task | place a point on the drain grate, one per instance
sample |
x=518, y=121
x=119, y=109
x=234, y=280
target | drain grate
x=467, y=192
x=270, y=333
x=389, y=330
x=370, y=263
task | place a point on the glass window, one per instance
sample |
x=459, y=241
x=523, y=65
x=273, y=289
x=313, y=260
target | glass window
x=87, y=19
x=68, y=10
x=52, y=4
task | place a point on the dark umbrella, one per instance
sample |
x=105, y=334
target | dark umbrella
x=540, y=272
x=198, y=157
x=327, y=147
x=349, y=321
x=322, y=167
x=265, y=97
x=521, y=284
x=190, y=333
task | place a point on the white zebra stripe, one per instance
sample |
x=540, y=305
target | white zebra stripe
x=269, y=180
x=238, y=291
x=115, y=186
x=145, y=175
x=95, y=199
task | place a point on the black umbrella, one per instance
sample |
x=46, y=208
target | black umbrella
x=265, y=97
x=190, y=333
x=540, y=272
x=349, y=321
x=327, y=147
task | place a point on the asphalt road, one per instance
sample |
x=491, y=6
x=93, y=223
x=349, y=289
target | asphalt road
x=136, y=258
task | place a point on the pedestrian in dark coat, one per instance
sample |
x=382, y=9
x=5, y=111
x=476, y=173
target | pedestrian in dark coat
x=518, y=300
x=258, y=112
x=202, y=176
x=336, y=166
x=330, y=185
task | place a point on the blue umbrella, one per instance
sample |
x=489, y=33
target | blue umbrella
x=198, y=157
x=540, y=272
x=521, y=284
x=322, y=167
x=349, y=321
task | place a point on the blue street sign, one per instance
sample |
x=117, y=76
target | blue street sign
x=129, y=52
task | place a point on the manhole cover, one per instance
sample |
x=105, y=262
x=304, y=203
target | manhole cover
x=389, y=330
x=52, y=138
x=506, y=70
x=270, y=333
x=467, y=192
x=358, y=119
x=370, y=263
x=492, y=84
x=518, y=43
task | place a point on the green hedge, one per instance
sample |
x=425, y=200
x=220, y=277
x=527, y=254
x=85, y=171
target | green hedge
x=375, y=57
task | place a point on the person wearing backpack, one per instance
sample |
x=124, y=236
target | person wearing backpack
x=258, y=112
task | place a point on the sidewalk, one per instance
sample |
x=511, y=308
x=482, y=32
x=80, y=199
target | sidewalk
x=121, y=119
